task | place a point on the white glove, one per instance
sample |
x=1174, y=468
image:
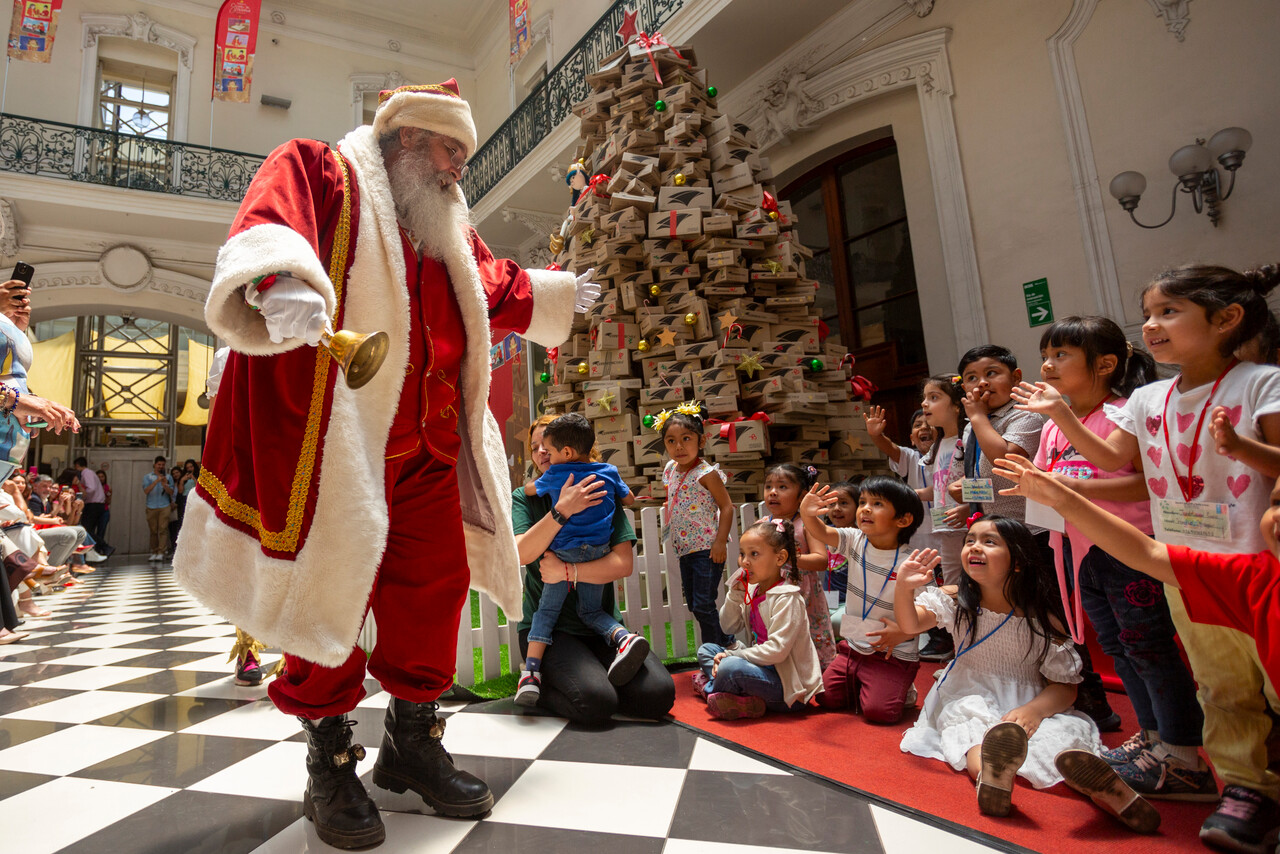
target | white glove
x=587, y=292
x=216, y=367
x=291, y=309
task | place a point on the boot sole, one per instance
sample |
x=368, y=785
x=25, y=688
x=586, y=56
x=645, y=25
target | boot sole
x=346, y=840
x=1218, y=838
x=1092, y=777
x=392, y=782
x=528, y=699
x=1004, y=749
x=625, y=669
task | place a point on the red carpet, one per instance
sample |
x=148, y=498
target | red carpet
x=847, y=749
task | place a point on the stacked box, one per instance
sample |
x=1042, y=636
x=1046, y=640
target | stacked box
x=705, y=295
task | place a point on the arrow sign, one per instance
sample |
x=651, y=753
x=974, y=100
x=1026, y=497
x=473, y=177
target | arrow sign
x=1039, y=303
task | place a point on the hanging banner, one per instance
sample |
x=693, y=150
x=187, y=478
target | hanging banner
x=234, y=42
x=32, y=29
x=519, y=29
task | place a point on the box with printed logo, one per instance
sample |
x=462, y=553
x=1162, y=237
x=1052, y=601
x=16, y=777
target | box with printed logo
x=612, y=335
x=740, y=437
x=609, y=364
x=647, y=449
x=676, y=223
x=618, y=454
x=677, y=198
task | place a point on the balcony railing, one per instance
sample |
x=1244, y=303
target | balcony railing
x=57, y=150
x=548, y=104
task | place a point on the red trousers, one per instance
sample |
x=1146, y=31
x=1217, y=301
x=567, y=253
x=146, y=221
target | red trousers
x=871, y=684
x=417, y=599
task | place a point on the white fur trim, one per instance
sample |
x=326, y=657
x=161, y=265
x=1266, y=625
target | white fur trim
x=259, y=251
x=437, y=113
x=553, y=301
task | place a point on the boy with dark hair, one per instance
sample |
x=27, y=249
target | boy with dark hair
x=875, y=663
x=583, y=537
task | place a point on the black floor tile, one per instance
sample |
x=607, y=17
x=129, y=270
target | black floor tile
x=169, y=713
x=14, y=731
x=627, y=743
x=16, y=782
x=24, y=698
x=35, y=672
x=490, y=836
x=168, y=658
x=166, y=681
x=175, y=761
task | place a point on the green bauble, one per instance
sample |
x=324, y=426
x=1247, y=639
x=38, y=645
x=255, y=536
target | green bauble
x=711, y=91
x=647, y=421
x=544, y=377
x=816, y=365
x=659, y=105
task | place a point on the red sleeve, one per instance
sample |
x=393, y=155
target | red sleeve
x=1226, y=589
x=507, y=287
x=298, y=186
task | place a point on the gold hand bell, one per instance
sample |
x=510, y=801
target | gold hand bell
x=359, y=356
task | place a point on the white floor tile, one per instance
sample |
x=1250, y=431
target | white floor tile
x=278, y=772
x=18, y=647
x=89, y=706
x=79, y=808
x=99, y=657
x=219, y=644
x=212, y=664
x=902, y=835
x=218, y=630
x=697, y=846
x=227, y=688
x=113, y=628
x=256, y=720
x=407, y=833
x=500, y=735
x=106, y=641
x=709, y=756
x=69, y=750
x=201, y=620
x=94, y=678
x=550, y=794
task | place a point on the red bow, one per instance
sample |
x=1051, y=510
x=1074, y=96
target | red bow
x=770, y=204
x=595, y=186
x=974, y=518
x=648, y=42
x=554, y=267
x=862, y=388
x=727, y=431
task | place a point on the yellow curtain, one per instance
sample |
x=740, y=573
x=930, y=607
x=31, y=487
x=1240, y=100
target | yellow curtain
x=199, y=359
x=53, y=367
x=146, y=401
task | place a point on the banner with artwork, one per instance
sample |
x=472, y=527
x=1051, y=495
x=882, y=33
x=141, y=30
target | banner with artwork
x=519, y=28
x=234, y=42
x=32, y=29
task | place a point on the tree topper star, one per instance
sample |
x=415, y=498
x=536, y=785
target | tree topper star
x=628, y=29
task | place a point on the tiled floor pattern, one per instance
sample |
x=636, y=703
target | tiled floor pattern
x=121, y=730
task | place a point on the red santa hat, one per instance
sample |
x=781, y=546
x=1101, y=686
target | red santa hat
x=436, y=107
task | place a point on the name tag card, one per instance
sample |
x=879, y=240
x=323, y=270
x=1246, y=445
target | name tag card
x=1041, y=516
x=976, y=490
x=1204, y=520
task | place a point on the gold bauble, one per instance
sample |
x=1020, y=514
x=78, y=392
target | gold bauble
x=643, y=345
x=655, y=290
x=582, y=367
x=773, y=215
x=678, y=179
x=691, y=319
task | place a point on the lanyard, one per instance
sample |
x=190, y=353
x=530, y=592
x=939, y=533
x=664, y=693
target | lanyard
x=960, y=651
x=671, y=499
x=753, y=607
x=867, y=605
x=1056, y=456
x=1185, y=485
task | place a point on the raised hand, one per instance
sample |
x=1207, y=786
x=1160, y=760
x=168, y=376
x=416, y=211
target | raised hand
x=816, y=501
x=1029, y=481
x=1225, y=438
x=1037, y=397
x=975, y=403
x=917, y=570
x=874, y=416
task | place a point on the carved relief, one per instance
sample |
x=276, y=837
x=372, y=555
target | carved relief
x=8, y=230
x=783, y=106
x=277, y=17
x=1176, y=14
x=538, y=222
x=921, y=7
x=139, y=27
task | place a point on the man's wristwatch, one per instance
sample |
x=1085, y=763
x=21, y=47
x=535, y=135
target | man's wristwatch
x=560, y=518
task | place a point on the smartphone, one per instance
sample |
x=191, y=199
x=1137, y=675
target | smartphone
x=23, y=272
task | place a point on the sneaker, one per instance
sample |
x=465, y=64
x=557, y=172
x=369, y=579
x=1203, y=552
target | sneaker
x=529, y=688
x=248, y=670
x=1160, y=778
x=1245, y=821
x=912, y=695
x=939, y=648
x=631, y=654
x=154, y=556
x=92, y=556
x=1092, y=777
x=731, y=707
x=700, y=683
x=1129, y=751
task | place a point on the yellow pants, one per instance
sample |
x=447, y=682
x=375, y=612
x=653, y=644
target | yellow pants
x=1232, y=684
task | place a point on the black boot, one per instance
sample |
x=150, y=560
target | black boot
x=335, y=799
x=412, y=757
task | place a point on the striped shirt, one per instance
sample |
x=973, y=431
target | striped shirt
x=878, y=601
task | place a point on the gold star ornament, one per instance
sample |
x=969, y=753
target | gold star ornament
x=667, y=338
x=750, y=364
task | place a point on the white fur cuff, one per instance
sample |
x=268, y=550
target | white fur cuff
x=553, y=296
x=259, y=251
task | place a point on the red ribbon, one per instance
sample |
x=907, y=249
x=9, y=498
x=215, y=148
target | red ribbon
x=862, y=388
x=648, y=42
x=727, y=431
x=622, y=338
x=770, y=204
x=671, y=223
x=594, y=186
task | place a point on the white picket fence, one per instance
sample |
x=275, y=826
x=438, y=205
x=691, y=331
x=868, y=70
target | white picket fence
x=651, y=596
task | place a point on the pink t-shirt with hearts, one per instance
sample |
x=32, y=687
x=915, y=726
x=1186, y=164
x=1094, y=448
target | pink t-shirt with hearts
x=1248, y=391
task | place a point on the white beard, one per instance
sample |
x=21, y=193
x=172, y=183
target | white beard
x=436, y=216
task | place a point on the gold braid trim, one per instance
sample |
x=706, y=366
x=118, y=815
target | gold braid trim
x=287, y=539
x=246, y=644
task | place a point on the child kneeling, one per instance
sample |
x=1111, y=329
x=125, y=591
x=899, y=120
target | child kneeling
x=779, y=671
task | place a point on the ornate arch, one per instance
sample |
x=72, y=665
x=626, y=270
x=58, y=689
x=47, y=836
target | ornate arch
x=121, y=281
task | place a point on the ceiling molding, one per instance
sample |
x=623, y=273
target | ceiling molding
x=78, y=243
x=115, y=199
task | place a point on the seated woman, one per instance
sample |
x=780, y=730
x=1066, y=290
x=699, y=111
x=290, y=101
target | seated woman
x=575, y=681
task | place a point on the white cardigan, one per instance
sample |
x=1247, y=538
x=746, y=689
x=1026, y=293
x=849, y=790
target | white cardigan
x=789, y=647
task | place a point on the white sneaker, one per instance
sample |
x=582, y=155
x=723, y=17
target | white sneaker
x=529, y=688
x=155, y=557
x=92, y=556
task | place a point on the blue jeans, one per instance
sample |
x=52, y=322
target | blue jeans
x=738, y=676
x=583, y=554
x=700, y=579
x=1129, y=612
x=589, y=609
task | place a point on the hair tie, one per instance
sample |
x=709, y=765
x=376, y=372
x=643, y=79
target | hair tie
x=974, y=518
x=813, y=472
x=780, y=522
x=1128, y=346
x=955, y=379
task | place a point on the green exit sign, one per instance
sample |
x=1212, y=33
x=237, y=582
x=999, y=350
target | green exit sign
x=1039, y=304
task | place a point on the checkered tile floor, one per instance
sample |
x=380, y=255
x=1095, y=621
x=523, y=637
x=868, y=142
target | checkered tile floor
x=121, y=730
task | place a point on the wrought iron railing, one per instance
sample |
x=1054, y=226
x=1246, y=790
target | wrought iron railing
x=548, y=104
x=57, y=150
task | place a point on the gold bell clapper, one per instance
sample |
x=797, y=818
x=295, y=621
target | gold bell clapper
x=359, y=356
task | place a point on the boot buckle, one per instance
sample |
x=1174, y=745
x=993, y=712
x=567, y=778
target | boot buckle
x=437, y=729
x=355, y=752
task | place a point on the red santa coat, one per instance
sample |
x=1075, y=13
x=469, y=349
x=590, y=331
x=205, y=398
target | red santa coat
x=287, y=524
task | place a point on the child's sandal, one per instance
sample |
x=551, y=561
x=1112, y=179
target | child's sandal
x=1094, y=778
x=1004, y=749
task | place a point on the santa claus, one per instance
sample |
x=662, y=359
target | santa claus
x=317, y=501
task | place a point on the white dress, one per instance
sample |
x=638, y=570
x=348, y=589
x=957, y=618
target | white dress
x=983, y=685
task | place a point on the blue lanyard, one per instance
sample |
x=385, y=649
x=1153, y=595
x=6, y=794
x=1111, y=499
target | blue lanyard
x=962, y=650
x=868, y=605
x=977, y=458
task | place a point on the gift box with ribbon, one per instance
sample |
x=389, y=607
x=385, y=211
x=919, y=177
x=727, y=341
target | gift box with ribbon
x=748, y=435
x=685, y=222
x=613, y=335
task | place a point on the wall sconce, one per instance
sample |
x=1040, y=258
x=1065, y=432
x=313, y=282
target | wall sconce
x=1193, y=164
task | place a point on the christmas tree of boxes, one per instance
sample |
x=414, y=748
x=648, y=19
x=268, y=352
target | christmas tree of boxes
x=705, y=295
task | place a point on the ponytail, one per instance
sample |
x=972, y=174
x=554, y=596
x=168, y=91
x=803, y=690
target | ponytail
x=1214, y=288
x=780, y=534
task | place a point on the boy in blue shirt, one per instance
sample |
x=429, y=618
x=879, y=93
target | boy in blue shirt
x=583, y=537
